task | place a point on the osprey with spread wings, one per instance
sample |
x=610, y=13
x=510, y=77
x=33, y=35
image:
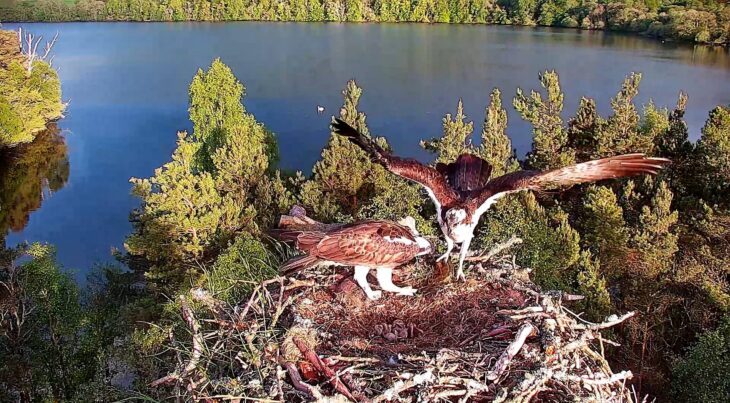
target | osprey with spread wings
x=463, y=190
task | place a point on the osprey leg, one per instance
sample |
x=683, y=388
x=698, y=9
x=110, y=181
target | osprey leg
x=385, y=279
x=449, y=248
x=464, y=250
x=361, y=276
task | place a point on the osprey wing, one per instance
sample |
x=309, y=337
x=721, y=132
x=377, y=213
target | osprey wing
x=368, y=243
x=432, y=180
x=591, y=171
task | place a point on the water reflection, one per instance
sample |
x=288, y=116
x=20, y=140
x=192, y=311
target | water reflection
x=28, y=174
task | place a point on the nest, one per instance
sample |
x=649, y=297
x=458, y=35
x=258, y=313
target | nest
x=495, y=337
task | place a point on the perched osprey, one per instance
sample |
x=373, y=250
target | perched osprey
x=462, y=191
x=380, y=245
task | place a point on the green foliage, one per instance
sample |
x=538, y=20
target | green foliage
x=703, y=21
x=345, y=185
x=554, y=244
x=239, y=268
x=655, y=240
x=621, y=133
x=29, y=98
x=593, y=287
x=496, y=147
x=550, y=147
x=455, y=138
x=189, y=214
x=51, y=345
x=604, y=229
x=713, y=157
x=703, y=375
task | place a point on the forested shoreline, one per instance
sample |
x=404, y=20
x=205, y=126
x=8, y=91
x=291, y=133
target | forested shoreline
x=659, y=247
x=703, y=21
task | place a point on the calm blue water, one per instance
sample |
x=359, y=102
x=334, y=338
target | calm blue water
x=127, y=86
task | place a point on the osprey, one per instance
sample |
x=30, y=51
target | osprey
x=462, y=191
x=375, y=244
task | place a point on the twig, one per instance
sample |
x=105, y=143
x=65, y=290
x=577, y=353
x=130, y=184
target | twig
x=506, y=358
x=612, y=321
x=198, y=343
x=621, y=376
x=514, y=240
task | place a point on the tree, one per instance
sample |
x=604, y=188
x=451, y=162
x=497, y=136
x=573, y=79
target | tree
x=621, y=132
x=713, y=157
x=703, y=374
x=189, y=214
x=604, y=229
x=346, y=185
x=455, y=139
x=592, y=285
x=496, y=147
x=655, y=239
x=550, y=148
x=30, y=93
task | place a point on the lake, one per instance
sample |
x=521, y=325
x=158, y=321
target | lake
x=127, y=83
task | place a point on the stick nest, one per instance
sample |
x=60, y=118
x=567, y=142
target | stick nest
x=495, y=337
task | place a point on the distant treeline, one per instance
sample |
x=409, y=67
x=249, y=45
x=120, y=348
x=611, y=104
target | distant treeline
x=701, y=21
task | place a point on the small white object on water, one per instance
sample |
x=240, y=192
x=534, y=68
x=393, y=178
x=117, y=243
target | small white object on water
x=320, y=109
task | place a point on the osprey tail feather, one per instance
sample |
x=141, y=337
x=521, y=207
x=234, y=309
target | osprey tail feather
x=298, y=263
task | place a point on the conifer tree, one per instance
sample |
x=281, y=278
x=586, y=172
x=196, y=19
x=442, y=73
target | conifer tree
x=592, y=285
x=621, y=133
x=604, y=229
x=655, y=240
x=674, y=143
x=550, y=148
x=713, y=157
x=496, y=147
x=582, y=128
x=455, y=139
x=215, y=100
x=346, y=185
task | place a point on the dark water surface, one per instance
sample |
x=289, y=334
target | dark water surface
x=127, y=86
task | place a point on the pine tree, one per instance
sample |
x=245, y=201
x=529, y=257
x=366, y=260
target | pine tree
x=713, y=157
x=655, y=240
x=346, y=185
x=604, y=229
x=674, y=143
x=593, y=287
x=582, y=129
x=215, y=100
x=550, y=148
x=455, y=139
x=622, y=133
x=496, y=146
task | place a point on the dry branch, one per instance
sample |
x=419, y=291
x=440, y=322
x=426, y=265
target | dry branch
x=525, y=331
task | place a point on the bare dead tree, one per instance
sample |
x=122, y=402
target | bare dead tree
x=29, y=49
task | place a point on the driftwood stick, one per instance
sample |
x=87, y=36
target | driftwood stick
x=619, y=377
x=506, y=358
x=612, y=321
x=486, y=256
x=391, y=394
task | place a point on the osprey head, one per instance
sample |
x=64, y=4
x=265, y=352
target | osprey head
x=455, y=217
x=423, y=243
